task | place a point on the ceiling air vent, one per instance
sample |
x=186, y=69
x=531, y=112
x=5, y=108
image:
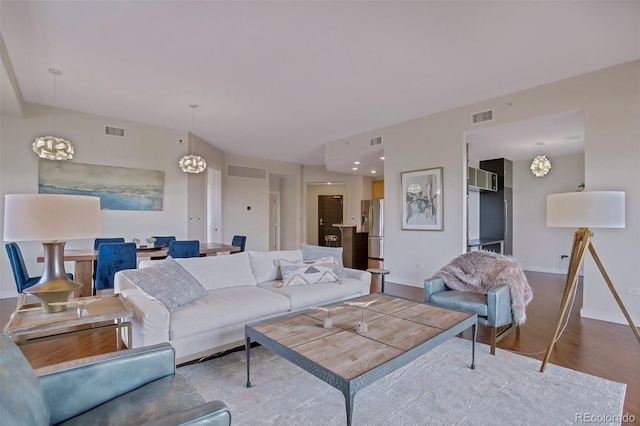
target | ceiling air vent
x=246, y=172
x=483, y=116
x=375, y=141
x=114, y=131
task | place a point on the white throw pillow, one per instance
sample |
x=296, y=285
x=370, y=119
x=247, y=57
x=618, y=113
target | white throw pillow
x=307, y=271
x=224, y=271
x=263, y=266
x=310, y=252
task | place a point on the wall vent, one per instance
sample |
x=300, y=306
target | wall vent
x=375, y=141
x=481, y=117
x=114, y=131
x=246, y=172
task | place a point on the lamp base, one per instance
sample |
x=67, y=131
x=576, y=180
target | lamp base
x=54, y=287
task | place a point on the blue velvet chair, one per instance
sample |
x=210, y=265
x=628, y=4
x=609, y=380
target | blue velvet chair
x=164, y=240
x=134, y=386
x=239, y=241
x=96, y=244
x=113, y=257
x=493, y=308
x=20, y=273
x=186, y=248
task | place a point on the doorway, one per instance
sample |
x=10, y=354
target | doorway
x=329, y=212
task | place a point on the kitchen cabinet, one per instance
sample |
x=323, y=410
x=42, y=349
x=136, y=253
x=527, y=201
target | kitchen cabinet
x=377, y=189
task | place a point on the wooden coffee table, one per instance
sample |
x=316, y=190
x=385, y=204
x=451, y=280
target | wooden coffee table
x=399, y=331
x=28, y=324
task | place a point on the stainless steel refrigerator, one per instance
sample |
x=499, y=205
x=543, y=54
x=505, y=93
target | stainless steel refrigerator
x=372, y=221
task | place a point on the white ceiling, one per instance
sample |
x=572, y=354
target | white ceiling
x=278, y=80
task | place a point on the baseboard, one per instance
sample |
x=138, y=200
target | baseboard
x=615, y=317
x=402, y=281
x=557, y=271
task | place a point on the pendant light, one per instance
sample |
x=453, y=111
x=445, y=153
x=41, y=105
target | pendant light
x=540, y=165
x=53, y=147
x=192, y=163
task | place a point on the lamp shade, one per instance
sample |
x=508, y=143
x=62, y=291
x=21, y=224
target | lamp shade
x=51, y=217
x=588, y=209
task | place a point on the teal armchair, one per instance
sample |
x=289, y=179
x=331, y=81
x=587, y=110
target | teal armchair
x=130, y=387
x=493, y=308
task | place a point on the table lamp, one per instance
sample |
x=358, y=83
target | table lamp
x=52, y=218
x=584, y=210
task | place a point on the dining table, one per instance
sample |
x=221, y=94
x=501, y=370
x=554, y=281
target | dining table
x=83, y=261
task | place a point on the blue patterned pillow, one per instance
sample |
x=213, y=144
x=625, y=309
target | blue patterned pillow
x=300, y=272
x=310, y=252
x=167, y=282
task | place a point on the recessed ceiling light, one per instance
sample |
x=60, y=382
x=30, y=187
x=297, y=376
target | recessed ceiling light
x=328, y=183
x=382, y=158
x=373, y=171
x=354, y=168
x=356, y=162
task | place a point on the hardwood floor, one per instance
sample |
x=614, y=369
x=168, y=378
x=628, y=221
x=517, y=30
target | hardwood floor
x=594, y=347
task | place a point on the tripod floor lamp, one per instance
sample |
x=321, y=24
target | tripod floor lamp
x=584, y=210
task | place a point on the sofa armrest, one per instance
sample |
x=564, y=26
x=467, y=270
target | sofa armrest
x=213, y=413
x=363, y=276
x=433, y=285
x=151, y=318
x=77, y=386
x=499, y=306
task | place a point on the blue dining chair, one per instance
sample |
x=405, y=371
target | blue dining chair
x=113, y=257
x=239, y=241
x=186, y=248
x=97, y=243
x=164, y=240
x=20, y=273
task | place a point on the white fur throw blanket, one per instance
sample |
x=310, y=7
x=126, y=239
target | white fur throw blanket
x=480, y=271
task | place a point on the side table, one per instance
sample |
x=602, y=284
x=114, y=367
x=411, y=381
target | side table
x=103, y=313
x=381, y=272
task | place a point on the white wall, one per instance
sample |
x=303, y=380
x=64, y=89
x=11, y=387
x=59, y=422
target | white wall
x=240, y=193
x=146, y=147
x=609, y=98
x=197, y=187
x=537, y=247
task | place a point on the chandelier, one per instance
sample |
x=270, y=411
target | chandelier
x=53, y=147
x=192, y=163
x=541, y=164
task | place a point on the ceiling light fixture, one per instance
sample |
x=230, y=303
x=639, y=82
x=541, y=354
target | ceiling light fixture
x=356, y=162
x=354, y=168
x=53, y=147
x=192, y=163
x=373, y=171
x=382, y=158
x=540, y=165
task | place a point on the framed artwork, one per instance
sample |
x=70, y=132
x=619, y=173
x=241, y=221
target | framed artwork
x=119, y=188
x=422, y=201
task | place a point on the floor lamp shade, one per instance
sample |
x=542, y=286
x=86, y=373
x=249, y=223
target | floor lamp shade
x=53, y=219
x=587, y=209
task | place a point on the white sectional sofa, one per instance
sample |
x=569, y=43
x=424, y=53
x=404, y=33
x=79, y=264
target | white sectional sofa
x=240, y=289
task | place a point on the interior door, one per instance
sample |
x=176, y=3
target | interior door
x=274, y=221
x=329, y=212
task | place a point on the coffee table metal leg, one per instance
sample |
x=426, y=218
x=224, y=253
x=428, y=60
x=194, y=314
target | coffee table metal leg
x=248, y=350
x=473, y=346
x=348, y=402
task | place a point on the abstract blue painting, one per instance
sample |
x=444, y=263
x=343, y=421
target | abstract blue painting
x=119, y=188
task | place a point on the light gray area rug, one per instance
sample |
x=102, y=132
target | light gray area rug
x=438, y=388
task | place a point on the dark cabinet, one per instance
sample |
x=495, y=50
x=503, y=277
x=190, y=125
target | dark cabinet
x=496, y=208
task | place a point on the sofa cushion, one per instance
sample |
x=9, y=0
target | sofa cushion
x=262, y=263
x=304, y=296
x=167, y=282
x=223, y=271
x=310, y=252
x=22, y=401
x=223, y=307
x=307, y=271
